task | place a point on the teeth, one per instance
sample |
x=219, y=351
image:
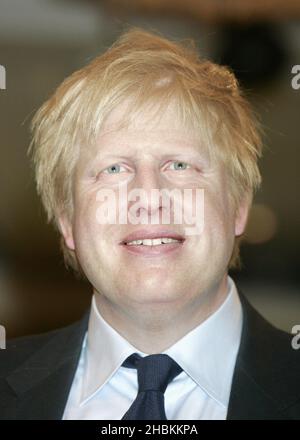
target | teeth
x=152, y=242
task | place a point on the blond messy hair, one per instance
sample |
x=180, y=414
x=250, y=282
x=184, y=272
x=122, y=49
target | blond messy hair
x=150, y=70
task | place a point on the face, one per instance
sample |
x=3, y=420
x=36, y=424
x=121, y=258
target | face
x=151, y=153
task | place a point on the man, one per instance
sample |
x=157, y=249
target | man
x=146, y=162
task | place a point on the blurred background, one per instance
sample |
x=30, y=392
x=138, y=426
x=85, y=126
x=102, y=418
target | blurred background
x=43, y=41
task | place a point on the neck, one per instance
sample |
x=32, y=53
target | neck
x=156, y=327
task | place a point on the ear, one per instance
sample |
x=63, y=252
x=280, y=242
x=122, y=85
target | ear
x=67, y=231
x=241, y=215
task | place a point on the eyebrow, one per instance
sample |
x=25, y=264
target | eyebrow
x=200, y=156
x=183, y=151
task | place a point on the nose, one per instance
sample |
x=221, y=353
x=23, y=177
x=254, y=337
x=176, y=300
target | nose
x=144, y=198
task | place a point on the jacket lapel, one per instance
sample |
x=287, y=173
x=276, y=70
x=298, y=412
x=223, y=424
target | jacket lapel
x=41, y=385
x=248, y=401
x=262, y=385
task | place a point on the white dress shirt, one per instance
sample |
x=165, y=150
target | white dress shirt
x=103, y=389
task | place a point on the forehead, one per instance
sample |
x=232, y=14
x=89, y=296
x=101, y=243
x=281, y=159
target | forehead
x=153, y=125
x=152, y=118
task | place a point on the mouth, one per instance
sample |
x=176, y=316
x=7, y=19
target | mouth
x=150, y=243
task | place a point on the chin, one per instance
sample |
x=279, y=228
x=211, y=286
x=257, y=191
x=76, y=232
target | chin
x=158, y=288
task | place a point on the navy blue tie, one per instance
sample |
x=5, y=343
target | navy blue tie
x=154, y=372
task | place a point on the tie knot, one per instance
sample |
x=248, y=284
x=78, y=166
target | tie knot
x=155, y=371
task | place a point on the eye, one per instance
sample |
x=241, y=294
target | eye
x=179, y=166
x=114, y=169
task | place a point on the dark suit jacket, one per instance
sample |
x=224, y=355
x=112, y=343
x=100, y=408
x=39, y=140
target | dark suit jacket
x=36, y=372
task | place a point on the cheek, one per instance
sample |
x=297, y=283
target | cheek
x=218, y=215
x=85, y=225
x=93, y=237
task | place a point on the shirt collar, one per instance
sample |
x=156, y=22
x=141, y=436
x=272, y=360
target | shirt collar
x=207, y=353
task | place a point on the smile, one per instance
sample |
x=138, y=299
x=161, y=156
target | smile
x=152, y=242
